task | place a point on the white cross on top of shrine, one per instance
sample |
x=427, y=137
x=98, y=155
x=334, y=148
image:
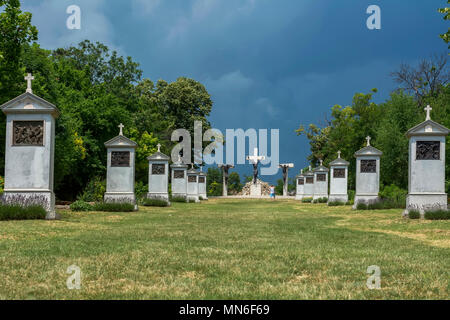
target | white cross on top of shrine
x=159, y=147
x=428, y=110
x=29, y=78
x=121, y=126
x=368, y=140
x=255, y=158
x=339, y=153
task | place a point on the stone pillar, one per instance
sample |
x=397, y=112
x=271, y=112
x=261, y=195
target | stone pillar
x=120, y=169
x=192, y=185
x=225, y=168
x=300, y=186
x=285, y=167
x=179, y=179
x=30, y=149
x=202, y=191
x=308, y=191
x=320, y=182
x=426, y=170
x=158, y=176
x=367, y=174
x=339, y=180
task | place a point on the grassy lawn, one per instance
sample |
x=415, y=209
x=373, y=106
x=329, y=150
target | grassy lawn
x=223, y=249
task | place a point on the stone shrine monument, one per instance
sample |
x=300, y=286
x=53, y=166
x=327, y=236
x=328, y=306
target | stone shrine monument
x=120, y=169
x=158, y=175
x=202, y=191
x=192, y=185
x=426, y=172
x=30, y=149
x=367, y=174
x=179, y=179
x=308, y=189
x=285, y=167
x=300, y=189
x=256, y=187
x=338, y=179
x=225, y=168
x=320, y=181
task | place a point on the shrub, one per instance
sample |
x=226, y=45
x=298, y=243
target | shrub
x=155, y=203
x=323, y=200
x=18, y=212
x=200, y=198
x=351, y=195
x=113, y=207
x=361, y=206
x=81, y=205
x=349, y=202
x=393, y=197
x=178, y=199
x=437, y=215
x=94, y=190
x=140, y=189
x=307, y=200
x=336, y=203
x=414, y=214
x=191, y=201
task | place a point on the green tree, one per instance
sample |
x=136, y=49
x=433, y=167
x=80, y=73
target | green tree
x=446, y=12
x=234, y=183
x=214, y=182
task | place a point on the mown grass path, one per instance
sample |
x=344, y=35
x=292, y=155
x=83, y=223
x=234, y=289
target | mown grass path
x=222, y=249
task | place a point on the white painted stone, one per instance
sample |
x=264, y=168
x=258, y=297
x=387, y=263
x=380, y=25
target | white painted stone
x=300, y=186
x=426, y=178
x=179, y=185
x=120, y=180
x=367, y=183
x=29, y=170
x=202, y=190
x=192, y=186
x=256, y=189
x=308, y=189
x=158, y=184
x=320, y=187
x=338, y=185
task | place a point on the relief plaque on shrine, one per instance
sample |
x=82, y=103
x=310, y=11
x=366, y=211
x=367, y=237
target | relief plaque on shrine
x=178, y=174
x=201, y=179
x=301, y=181
x=158, y=169
x=120, y=158
x=339, y=173
x=192, y=179
x=321, y=177
x=368, y=166
x=428, y=150
x=28, y=133
x=309, y=180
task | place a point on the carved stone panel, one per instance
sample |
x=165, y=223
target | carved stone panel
x=301, y=181
x=309, y=180
x=28, y=133
x=120, y=158
x=201, y=179
x=321, y=177
x=368, y=166
x=158, y=169
x=192, y=179
x=428, y=150
x=338, y=173
x=178, y=174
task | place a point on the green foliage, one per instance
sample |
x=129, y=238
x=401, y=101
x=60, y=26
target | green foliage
x=393, y=197
x=154, y=203
x=178, y=199
x=437, y=215
x=446, y=12
x=215, y=189
x=361, y=206
x=94, y=190
x=140, y=189
x=2, y=184
x=336, y=203
x=307, y=200
x=81, y=205
x=234, y=183
x=113, y=207
x=214, y=182
x=18, y=212
x=414, y=214
x=351, y=195
x=320, y=200
x=279, y=187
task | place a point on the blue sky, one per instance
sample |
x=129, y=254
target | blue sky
x=266, y=63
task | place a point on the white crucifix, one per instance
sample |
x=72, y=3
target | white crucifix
x=255, y=158
x=321, y=162
x=159, y=147
x=121, y=126
x=339, y=154
x=368, y=140
x=428, y=110
x=29, y=78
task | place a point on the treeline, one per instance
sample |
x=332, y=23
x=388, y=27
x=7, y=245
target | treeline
x=96, y=89
x=387, y=123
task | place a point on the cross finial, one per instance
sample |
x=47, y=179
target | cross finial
x=368, y=138
x=179, y=158
x=159, y=147
x=121, y=126
x=255, y=158
x=29, y=78
x=339, y=153
x=428, y=109
x=321, y=162
x=301, y=171
x=310, y=168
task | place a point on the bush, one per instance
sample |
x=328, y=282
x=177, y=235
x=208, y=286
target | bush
x=307, y=200
x=81, y=205
x=336, y=203
x=94, y=190
x=361, y=206
x=349, y=202
x=323, y=200
x=200, y=198
x=351, y=195
x=113, y=207
x=154, y=203
x=178, y=199
x=191, y=201
x=393, y=197
x=18, y=212
x=414, y=214
x=140, y=189
x=437, y=215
